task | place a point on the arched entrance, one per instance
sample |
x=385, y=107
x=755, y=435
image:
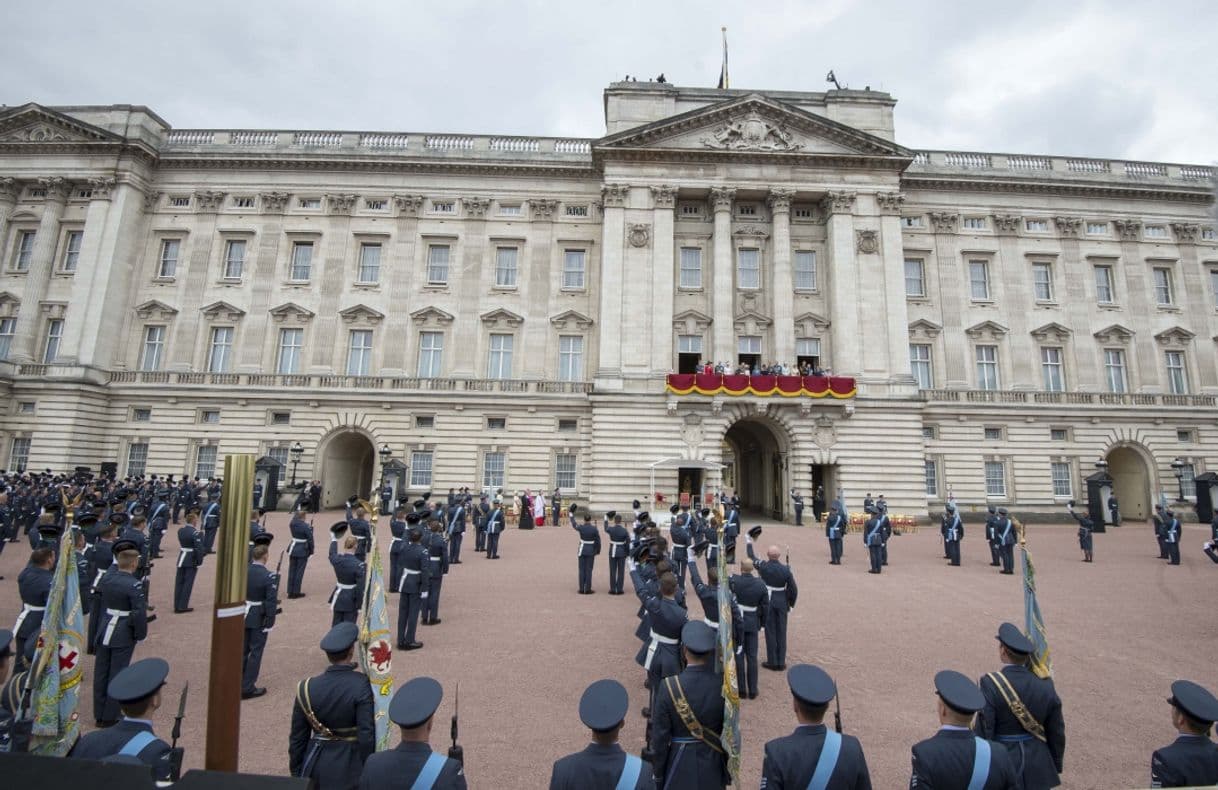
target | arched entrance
x=1130, y=481
x=347, y=463
x=756, y=457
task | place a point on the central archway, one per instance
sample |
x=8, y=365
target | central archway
x=1130, y=481
x=347, y=463
x=758, y=468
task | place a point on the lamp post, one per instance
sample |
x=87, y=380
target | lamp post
x=1102, y=466
x=295, y=451
x=1177, y=466
x=386, y=455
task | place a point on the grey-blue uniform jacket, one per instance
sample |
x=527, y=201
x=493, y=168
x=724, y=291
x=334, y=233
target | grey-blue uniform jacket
x=101, y=744
x=836, y=521
x=596, y=768
x=946, y=760
x=437, y=549
x=302, y=538
x=363, y=532
x=34, y=586
x=873, y=532
x=952, y=527
x=1191, y=760
x=1038, y=762
x=349, y=574
x=659, y=655
x=790, y=762
x=589, y=539
x=456, y=521
x=680, y=538
x=416, y=569
x=397, y=530
x=689, y=764
x=341, y=700
x=618, y=538
x=397, y=769
x=261, y=591
x=751, y=599
x=123, y=610
x=191, y=551
x=779, y=582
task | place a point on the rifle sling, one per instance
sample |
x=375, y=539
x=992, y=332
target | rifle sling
x=681, y=704
x=1018, y=709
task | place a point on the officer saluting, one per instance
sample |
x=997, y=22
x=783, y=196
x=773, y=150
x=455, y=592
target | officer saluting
x=954, y=757
x=413, y=764
x=687, y=718
x=814, y=756
x=137, y=690
x=1023, y=713
x=299, y=551
x=1193, y=758
x=603, y=765
x=780, y=584
x=348, y=575
x=333, y=719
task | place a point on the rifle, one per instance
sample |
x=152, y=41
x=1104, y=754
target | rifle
x=455, y=752
x=279, y=565
x=837, y=711
x=177, y=753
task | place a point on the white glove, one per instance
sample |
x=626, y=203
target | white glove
x=631, y=564
x=268, y=630
x=423, y=596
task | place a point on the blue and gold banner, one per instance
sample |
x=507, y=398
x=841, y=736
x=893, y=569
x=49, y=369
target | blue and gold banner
x=1034, y=624
x=376, y=647
x=730, y=738
x=58, y=662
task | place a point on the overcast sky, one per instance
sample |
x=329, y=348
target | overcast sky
x=1114, y=79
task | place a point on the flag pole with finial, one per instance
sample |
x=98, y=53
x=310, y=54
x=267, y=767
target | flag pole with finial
x=723, y=80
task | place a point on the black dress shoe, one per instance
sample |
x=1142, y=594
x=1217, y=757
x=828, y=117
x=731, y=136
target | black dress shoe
x=413, y=646
x=590, y=592
x=454, y=562
x=872, y=570
x=150, y=618
x=258, y=692
x=646, y=713
x=184, y=611
x=768, y=665
x=435, y=621
x=753, y=695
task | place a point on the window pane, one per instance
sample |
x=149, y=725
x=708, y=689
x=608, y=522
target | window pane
x=431, y=353
x=932, y=479
x=169, y=258
x=137, y=459
x=369, y=263
x=290, y=343
x=234, y=259
x=1042, y=280
x=1103, y=284
x=54, y=336
x=19, y=454
x=280, y=454
x=691, y=267
x=420, y=469
x=748, y=268
x=573, y=268
x=1188, y=482
x=987, y=367
x=807, y=346
x=919, y=363
x=689, y=344
x=1051, y=366
x=1177, y=375
x=437, y=264
x=220, y=354
x=493, y=470
x=1062, y=481
x=7, y=327
x=564, y=471
x=499, y=364
x=995, y=479
x=505, y=267
x=1214, y=285
x=302, y=260
x=1162, y=286
x=979, y=279
x=749, y=344
x=154, y=344
x=359, y=352
x=1114, y=369
x=571, y=358
x=25, y=251
x=71, y=252
x=805, y=270
x=915, y=283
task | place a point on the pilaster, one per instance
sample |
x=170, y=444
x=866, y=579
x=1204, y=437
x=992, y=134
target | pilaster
x=613, y=197
x=892, y=250
x=538, y=341
x=91, y=280
x=405, y=301
x=952, y=285
x=723, y=285
x=186, y=339
x=779, y=201
x=843, y=291
x=663, y=277
x=1197, y=299
x=38, y=278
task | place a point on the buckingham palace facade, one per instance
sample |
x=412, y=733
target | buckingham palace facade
x=524, y=312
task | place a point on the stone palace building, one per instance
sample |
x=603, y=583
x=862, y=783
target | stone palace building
x=506, y=311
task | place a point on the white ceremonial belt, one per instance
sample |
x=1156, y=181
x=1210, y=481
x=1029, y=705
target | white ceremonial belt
x=617, y=542
x=396, y=540
x=300, y=540
x=776, y=589
x=680, y=545
x=115, y=616
x=744, y=608
x=664, y=640
x=710, y=622
x=26, y=607
x=588, y=542
x=252, y=605
x=182, y=553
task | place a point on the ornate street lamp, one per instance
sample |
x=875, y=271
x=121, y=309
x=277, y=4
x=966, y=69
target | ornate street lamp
x=295, y=451
x=1102, y=465
x=386, y=456
x=1177, y=466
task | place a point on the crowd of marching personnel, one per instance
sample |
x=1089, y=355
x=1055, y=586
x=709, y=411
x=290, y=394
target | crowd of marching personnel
x=699, y=660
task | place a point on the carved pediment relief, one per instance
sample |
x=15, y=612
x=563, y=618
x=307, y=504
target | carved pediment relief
x=32, y=123
x=156, y=310
x=1052, y=332
x=753, y=124
x=9, y=304
x=810, y=324
x=290, y=311
x=751, y=322
x=54, y=309
x=986, y=330
x=501, y=318
x=571, y=320
x=1176, y=337
x=691, y=322
x=431, y=316
x=924, y=330
x=222, y=311
x=1114, y=334
x=361, y=313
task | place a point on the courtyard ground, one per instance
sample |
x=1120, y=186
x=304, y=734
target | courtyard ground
x=523, y=645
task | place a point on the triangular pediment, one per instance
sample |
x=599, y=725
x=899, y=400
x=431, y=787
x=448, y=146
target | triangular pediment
x=986, y=329
x=923, y=329
x=361, y=313
x=1176, y=337
x=1051, y=331
x=810, y=324
x=33, y=123
x=753, y=124
x=223, y=310
x=290, y=311
x=1114, y=334
x=571, y=318
x=8, y=298
x=154, y=308
x=751, y=321
x=428, y=315
x=691, y=322
x=502, y=317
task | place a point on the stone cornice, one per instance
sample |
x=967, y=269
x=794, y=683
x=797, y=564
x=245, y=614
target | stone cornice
x=1199, y=194
x=379, y=165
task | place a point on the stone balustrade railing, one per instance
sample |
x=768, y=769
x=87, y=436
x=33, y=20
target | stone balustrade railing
x=1067, y=398
x=331, y=382
x=929, y=161
x=389, y=143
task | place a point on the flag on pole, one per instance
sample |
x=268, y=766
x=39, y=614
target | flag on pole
x=730, y=737
x=1034, y=624
x=376, y=649
x=56, y=676
x=723, y=80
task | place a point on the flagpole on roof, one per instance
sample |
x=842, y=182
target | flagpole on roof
x=723, y=78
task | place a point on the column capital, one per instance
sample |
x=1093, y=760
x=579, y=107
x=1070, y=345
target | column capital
x=476, y=207
x=1128, y=229
x=408, y=205
x=9, y=189
x=944, y=221
x=340, y=204
x=274, y=202
x=543, y=208
x=1006, y=224
x=779, y=200
x=840, y=202
x=1186, y=232
x=102, y=188
x=664, y=196
x=890, y=202
x=57, y=188
x=1068, y=227
x=151, y=198
x=722, y=197
x=210, y=201
x=614, y=195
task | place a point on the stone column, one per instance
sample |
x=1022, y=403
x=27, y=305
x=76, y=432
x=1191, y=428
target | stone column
x=537, y=341
x=403, y=300
x=1197, y=299
x=261, y=280
x=91, y=280
x=892, y=248
x=663, y=278
x=193, y=271
x=1142, y=359
x=783, y=286
x=9, y=189
x=329, y=272
x=38, y=278
x=843, y=285
x=723, y=286
x=952, y=282
x=614, y=229
x=1070, y=288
